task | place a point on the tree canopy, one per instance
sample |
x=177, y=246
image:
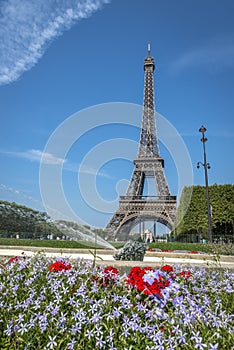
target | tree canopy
x=192, y=213
x=24, y=221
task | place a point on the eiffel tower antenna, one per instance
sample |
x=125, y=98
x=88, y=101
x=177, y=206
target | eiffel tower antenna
x=148, y=49
x=135, y=207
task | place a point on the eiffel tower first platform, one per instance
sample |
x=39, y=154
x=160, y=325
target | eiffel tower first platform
x=135, y=207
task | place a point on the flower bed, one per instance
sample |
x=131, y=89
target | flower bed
x=172, y=251
x=68, y=304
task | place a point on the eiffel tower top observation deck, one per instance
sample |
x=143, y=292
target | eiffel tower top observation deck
x=135, y=207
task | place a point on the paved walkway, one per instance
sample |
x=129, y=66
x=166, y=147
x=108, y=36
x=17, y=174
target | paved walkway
x=155, y=259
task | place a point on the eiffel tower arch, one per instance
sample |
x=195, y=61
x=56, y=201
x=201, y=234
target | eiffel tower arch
x=136, y=207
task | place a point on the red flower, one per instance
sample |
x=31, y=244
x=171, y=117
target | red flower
x=155, y=289
x=186, y=274
x=136, y=270
x=108, y=280
x=110, y=270
x=135, y=278
x=60, y=266
x=151, y=250
x=15, y=258
x=167, y=268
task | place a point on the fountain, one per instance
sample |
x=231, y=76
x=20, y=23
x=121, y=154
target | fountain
x=83, y=234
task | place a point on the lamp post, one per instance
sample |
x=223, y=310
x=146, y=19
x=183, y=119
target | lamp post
x=206, y=166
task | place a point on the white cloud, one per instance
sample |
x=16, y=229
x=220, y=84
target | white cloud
x=10, y=193
x=36, y=155
x=28, y=26
x=46, y=158
x=217, y=54
x=96, y=172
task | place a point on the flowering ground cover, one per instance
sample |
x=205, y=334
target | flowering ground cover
x=71, y=304
x=173, y=251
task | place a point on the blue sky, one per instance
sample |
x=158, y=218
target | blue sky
x=58, y=58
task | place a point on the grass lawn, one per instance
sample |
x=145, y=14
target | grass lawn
x=206, y=248
x=42, y=243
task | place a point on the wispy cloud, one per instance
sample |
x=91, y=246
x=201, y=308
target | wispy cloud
x=35, y=155
x=28, y=26
x=19, y=196
x=217, y=54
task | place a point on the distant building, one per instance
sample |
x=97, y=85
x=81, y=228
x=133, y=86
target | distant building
x=147, y=236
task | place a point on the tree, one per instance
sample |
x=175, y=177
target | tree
x=28, y=223
x=191, y=218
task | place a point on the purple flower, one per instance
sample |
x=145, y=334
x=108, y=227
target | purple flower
x=55, y=311
x=22, y=329
x=115, y=298
x=98, y=331
x=109, y=316
x=52, y=342
x=62, y=319
x=95, y=318
x=125, y=332
x=109, y=338
x=78, y=315
x=100, y=342
x=70, y=346
x=134, y=326
x=141, y=307
x=126, y=303
x=37, y=304
x=94, y=287
x=9, y=330
x=200, y=346
x=117, y=312
x=76, y=328
x=178, y=301
x=71, y=280
x=181, y=338
x=81, y=291
x=31, y=323
x=157, y=337
x=149, y=276
x=89, y=333
x=198, y=341
x=70, y=301
x=213, y=347
x=16, y=286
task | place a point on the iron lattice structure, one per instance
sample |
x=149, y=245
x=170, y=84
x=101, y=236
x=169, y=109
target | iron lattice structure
x=135, y=207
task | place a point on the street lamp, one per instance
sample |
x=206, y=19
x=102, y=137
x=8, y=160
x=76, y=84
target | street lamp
x=206, y=166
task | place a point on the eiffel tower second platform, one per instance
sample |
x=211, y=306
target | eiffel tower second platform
x=135, y=207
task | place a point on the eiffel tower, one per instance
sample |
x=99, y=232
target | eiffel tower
x=135, y=207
